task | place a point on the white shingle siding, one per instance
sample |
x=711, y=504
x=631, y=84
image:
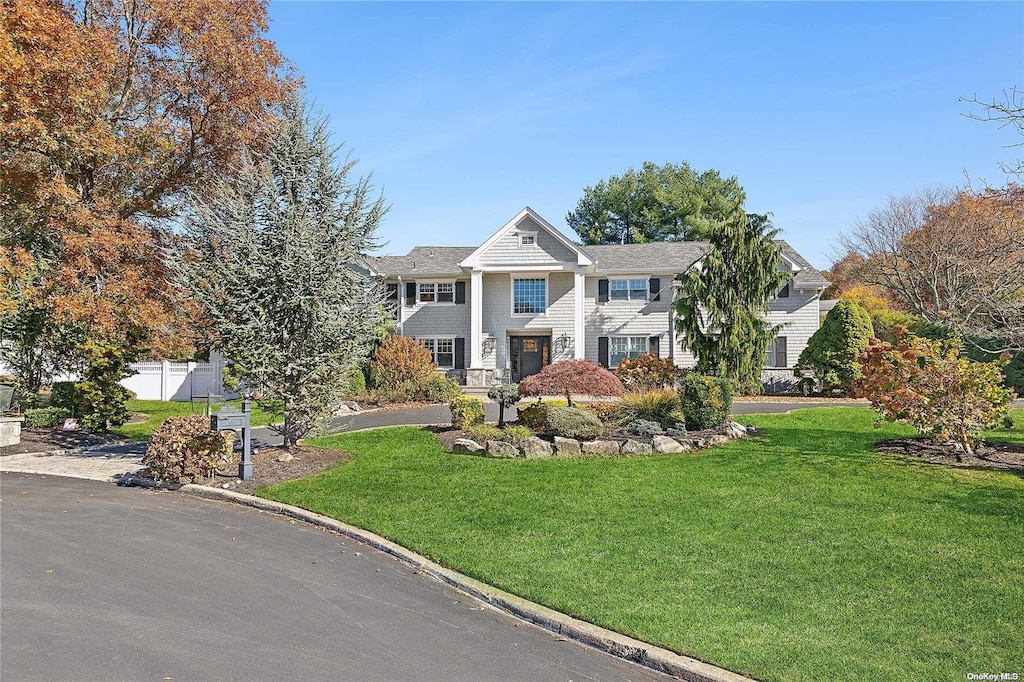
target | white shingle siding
x=431, y=320
x=799, y=315
x=546, y=250
x=626, y=318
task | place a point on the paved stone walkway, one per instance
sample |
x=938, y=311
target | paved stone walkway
x=98, y=465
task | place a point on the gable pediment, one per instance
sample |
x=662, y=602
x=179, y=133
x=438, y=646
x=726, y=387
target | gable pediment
x=527, y=240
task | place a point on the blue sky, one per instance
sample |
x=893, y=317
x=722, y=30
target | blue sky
x=466, y=112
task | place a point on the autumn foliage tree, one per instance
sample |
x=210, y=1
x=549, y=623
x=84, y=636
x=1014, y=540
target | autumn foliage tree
x=581, y=377
x=929, y=385
x=111, y=110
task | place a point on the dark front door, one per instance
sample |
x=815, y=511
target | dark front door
x=528, y=354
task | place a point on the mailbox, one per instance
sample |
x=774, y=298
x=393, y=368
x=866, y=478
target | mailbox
x=229, y=419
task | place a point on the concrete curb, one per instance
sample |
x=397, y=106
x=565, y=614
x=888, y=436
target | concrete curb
x=648, y=655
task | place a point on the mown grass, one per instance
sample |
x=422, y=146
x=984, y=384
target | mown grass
x=801, y=554
x=159, y=410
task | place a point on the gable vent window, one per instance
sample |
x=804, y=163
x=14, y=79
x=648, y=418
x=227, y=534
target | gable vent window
x=527, y=239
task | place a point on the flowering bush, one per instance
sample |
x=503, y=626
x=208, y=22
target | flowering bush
x=185, y=450
x=648, y=372
x=572, y=376
x=928, y=385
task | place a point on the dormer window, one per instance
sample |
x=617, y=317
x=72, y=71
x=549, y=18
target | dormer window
x=527, y=238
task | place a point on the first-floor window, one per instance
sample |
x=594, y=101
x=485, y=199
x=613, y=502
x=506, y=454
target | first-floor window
x=777, y=356
x=625, y=347
x=442, y=351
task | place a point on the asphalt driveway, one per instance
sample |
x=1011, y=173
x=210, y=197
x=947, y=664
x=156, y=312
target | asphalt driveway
x=108, y=583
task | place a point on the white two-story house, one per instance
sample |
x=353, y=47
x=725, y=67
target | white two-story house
x=528, y=296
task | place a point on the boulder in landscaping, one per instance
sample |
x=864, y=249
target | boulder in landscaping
x=534, y=447
x=567, y=446
x=501, y=450
x=601, y=447
x=666, y=445
x=734, y=430
x=634, y=447
x=718, y=439
x=465, y=446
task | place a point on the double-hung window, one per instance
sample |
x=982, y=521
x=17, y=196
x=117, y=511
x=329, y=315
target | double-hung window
x=620, y=348
x=529, y=296
x=436, y=292
x=441, y=350
x=627, y=289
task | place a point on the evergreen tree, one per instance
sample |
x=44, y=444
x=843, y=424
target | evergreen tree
x=273, y=259
x=832, y=353
x=724, y=300
x=655, y=204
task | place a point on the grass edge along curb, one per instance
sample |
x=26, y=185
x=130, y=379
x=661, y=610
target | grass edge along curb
x=621, y=646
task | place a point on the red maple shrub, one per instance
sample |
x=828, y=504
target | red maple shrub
x=582, y=377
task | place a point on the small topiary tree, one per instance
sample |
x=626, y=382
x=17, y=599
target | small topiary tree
x=103, y=398
x=401, y=366
x=572, y=376
x=706, y=401
x=648, y=372
x=572, y=422
x=506, y=395
x=185, y=450
x=929, y=385
x=466, y=411
x=832, y=353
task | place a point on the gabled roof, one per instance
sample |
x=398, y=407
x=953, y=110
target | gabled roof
x=423, y=261
x=473, y=259
x=648, y=257
x=807, y=277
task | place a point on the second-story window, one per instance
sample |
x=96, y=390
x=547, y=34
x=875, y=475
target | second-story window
x=428, y=292
x=627, y=289
x=529, y=296
x=436, y=292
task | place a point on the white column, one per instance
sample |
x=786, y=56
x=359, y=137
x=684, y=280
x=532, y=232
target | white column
x=476, y=298
x=579, y=342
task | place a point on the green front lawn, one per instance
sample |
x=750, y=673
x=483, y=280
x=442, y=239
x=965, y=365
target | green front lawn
x=159, y=410
x=798, y=555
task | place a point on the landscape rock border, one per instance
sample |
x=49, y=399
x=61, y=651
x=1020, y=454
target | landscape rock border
x=596, y=637
x=537, y=448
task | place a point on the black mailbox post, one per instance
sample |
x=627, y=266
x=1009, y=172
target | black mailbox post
x=230, y=419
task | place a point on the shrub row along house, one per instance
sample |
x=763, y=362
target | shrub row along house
x=528, y=296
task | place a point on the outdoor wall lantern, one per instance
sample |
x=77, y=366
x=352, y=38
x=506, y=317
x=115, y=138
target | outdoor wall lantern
x=488, y=345
x=563, y=341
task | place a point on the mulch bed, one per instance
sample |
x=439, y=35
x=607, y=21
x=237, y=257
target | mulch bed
x=307, y=461
x=48, y=440
x=993, y=455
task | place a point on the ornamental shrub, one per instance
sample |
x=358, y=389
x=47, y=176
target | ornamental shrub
x=103, y=398
x=481, y=433
x=185, y=450
x=606, y=412
x=659, y=405
x=466, y=411
x=45, y=417
x=356, y=384
x=401, y=365
x=515, y=434
x=65, y=394
x=532, y=416
x=705, y=400
x=572, y=422
x=647, y=372
x=929, y=385
x=643, y=427
x=439, y=388
x=506, y=395
x=833, y=351
x=581, y=377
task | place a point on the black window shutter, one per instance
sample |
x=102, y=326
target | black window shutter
x=460, y=353
x=781, y=358
x=602, y=291
x=460, y=292
x=784, y=291
x=602, y=348
x=655, y=289
x=410, y=293
x=654, y=345
x=392, y=292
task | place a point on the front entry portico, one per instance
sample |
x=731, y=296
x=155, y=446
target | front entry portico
x=528, y=355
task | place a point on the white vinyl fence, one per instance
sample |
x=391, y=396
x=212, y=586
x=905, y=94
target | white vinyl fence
x=176, y=380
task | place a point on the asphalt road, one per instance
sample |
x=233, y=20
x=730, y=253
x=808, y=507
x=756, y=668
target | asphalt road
x=108, y=583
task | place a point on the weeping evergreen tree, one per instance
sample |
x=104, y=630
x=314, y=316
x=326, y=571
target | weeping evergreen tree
x=723, y=302
x=272, y=259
